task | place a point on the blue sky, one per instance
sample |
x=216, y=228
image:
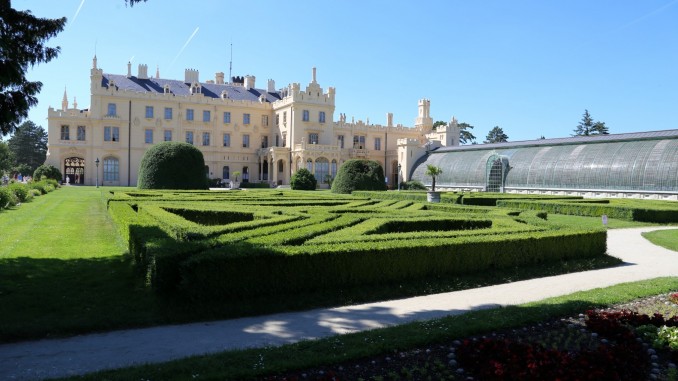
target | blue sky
x=528, y=66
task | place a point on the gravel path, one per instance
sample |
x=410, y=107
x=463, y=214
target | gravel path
x=36, y=360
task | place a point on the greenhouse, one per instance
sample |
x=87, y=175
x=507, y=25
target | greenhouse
x=634, y=163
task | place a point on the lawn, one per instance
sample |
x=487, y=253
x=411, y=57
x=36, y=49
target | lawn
x=664, y=238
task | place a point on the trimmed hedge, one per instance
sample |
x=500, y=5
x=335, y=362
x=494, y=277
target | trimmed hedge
x=356, y=174
x=303, y=179
x=172, y=165
x=633, y=211
x=48, y=171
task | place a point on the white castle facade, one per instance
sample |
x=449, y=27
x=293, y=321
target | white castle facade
x=264, y=134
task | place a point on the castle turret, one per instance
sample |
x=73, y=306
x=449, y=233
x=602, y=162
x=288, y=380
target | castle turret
x=64, y=101
x=424, y=121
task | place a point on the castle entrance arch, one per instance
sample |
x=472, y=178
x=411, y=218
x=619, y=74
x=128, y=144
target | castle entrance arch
x=74, y=169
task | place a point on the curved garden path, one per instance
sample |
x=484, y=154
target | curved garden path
x=36, y=360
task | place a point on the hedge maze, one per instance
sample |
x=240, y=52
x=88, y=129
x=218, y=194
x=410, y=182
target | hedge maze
x=239, y=244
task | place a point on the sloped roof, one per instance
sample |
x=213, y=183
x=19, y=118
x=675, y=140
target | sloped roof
x=649, y=135
x=180, y=88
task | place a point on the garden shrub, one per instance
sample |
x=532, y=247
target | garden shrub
x=172, y=165
x=5, y=197
x=303, y=179
x=20, y=190
x=48, y=171
x=357, y=174
x=413, y=185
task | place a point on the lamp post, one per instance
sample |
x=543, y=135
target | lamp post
x=398, y=178
x=97, y=163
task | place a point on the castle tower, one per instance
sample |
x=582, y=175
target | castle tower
x=424, y=121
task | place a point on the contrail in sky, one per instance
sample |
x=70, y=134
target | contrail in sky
x=185, y=45
x=77, y=12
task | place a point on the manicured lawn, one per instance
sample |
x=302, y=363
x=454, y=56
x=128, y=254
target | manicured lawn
x=664, y=238
x=65, y=270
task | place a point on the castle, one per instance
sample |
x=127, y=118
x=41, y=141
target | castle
x=265, y=134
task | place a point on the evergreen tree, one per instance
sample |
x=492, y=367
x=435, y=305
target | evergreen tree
x=496, y=135
x=28, y=146
x=22, y=39
x=6, y=158
x=588, y=127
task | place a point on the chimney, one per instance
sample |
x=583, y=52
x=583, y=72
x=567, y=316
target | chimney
x=219, y=78
x=271, y=86
x=314, y=75
x=129, y=69
x=191, y=76
x=249, y=82
x=142, y=72
x=389, y=119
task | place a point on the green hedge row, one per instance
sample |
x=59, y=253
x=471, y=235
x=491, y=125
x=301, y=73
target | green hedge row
x=243, y=270
x=658, y=213
x=471, y=198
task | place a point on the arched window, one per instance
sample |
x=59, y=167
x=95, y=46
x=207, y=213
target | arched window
x=245, y=174
x=309, y=165
x=225, y=172
x=333, y=168
x=322, y=169
x=111, y=169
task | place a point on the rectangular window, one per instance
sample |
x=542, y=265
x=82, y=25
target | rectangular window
x=264, y=142
x=245, y=118
x=65, y=133
x=112, y=109
x=189, y=114
x=227, y=140
x=168, y=135
x=245, y=141
x=377, y=144
x=111, y=169
x=206, y=117
x=264, y=120
x=111, y=134
x=148, y=136
x=284, y=117
x=304, y=116
x=168, y=113
x=277, y=119
x=189, y=137
x=340, y=139
x=227, y=117
x=205, y=138
x=277, y=140
x=313, y=138
x=359, y=142
x=149, y=111
x=321, y=117
x=284, y=139
x=81, y=133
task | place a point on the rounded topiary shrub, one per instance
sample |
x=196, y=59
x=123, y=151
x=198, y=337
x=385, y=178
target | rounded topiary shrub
x=49, y=171
x=172, y=165
x=303, y=179
x=359, y=175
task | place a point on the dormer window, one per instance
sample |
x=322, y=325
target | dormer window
x=111, y=84
x=224, y=94
x=167, y=90
x=195, y=88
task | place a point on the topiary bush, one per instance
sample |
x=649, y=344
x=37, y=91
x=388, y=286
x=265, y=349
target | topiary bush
x=172, y=165
x=303, y=179
x=359, y=174
x=48, y=171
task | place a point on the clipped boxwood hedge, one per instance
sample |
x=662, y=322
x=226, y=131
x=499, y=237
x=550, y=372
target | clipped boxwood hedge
x=358, y=174
x=172, y=165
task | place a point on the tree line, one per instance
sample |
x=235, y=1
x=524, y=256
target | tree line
x=586, y=127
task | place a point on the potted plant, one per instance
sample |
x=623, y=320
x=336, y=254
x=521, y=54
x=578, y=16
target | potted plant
x=433, y=171
x=234, y=183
